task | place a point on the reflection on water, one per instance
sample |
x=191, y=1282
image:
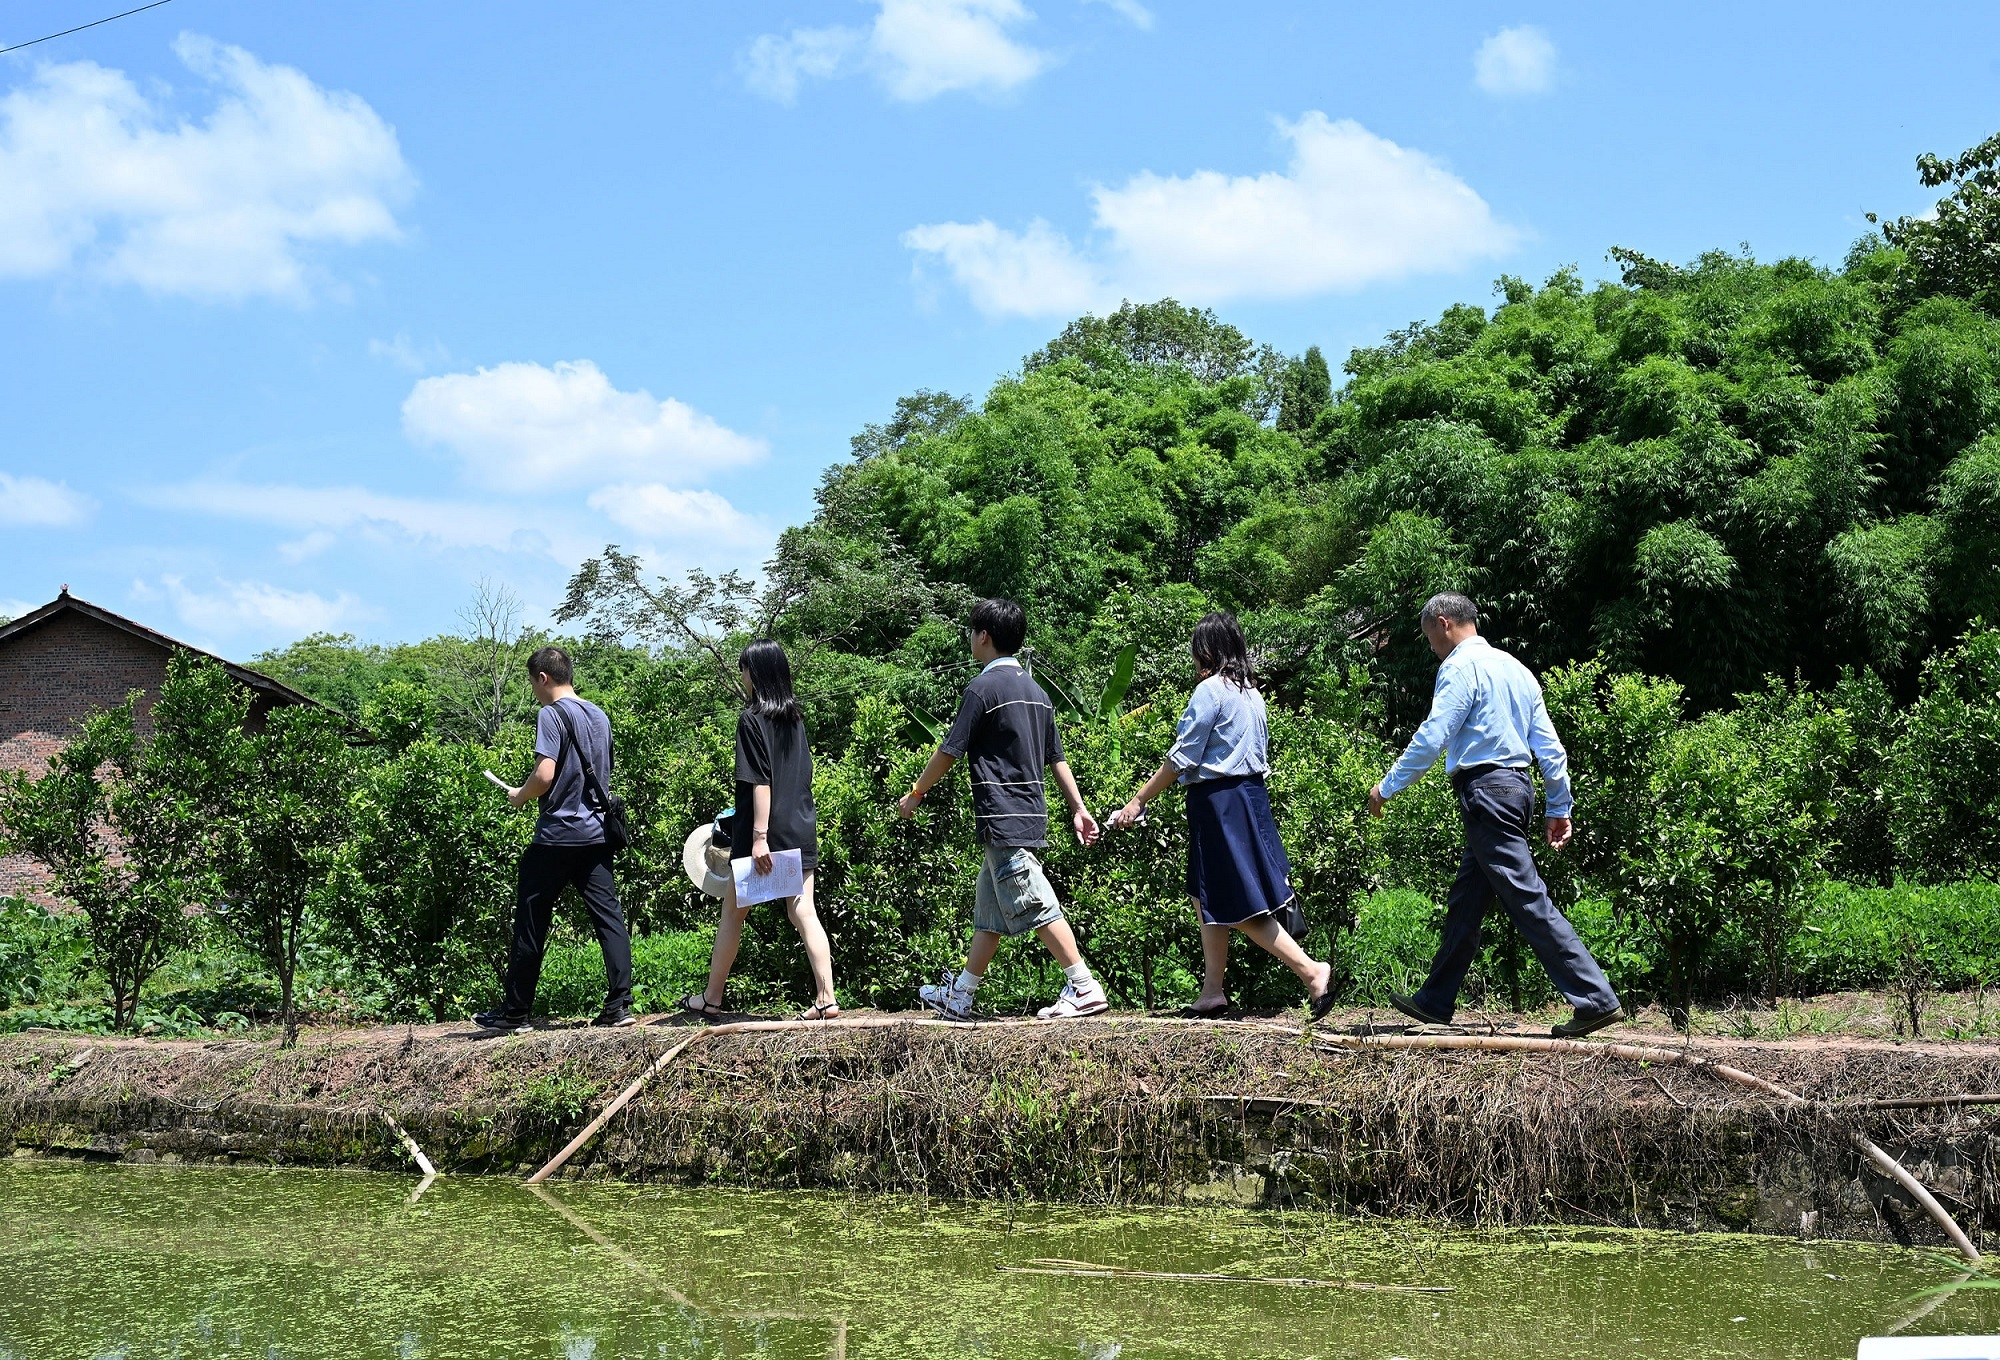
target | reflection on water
x=198, y=1264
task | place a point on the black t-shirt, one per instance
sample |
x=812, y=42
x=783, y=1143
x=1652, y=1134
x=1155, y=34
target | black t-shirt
x=777, y=754
x=1006, y=726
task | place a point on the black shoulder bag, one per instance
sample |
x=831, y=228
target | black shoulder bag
x=608, y=805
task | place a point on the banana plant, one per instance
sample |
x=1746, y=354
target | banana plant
x=1104, y=711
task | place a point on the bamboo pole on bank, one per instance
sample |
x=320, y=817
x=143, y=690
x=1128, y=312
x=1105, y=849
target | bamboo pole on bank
x=1486, y=1043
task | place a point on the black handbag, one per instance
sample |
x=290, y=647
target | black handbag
x=1291, y=917
x=609, y=806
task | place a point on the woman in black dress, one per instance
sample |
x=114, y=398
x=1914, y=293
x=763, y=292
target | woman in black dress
x=774, y=811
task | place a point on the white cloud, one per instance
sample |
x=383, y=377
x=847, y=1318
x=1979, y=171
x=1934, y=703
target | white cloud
x=669, y=511
x=100, y=176
x=38, y=501
x=409, y=356
x=326, y=514
x=916, y=49
x=258, y=606
x=520, y=426
x=1131, y=10
x=775, y=64
x=1519, y=60
x=1351, y=209
x=1032, y=273
x=309, y=545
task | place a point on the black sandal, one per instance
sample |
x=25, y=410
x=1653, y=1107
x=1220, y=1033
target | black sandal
x=816, y=1011
x=697, y=1003
x=1208, y=1012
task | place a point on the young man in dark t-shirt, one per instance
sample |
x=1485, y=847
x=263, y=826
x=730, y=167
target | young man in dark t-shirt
x=568, y=848
x=1006, y=729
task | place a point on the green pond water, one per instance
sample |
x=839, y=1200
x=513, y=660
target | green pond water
x=137, y=1262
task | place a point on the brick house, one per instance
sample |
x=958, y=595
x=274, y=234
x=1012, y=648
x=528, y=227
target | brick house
x=69, y=659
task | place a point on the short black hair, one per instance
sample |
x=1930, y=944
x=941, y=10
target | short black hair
x=553, y=662
x=1003, y=621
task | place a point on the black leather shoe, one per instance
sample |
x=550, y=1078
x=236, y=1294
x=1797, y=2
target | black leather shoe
x=1580, y=1024
x=1409, y=1007
x=615, y=1017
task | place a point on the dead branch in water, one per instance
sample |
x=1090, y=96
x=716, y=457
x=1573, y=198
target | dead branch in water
x=1059, y=1266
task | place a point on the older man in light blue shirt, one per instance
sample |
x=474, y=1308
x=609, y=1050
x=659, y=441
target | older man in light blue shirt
x=1488, y=720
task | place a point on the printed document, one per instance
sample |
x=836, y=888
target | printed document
x=786, y=879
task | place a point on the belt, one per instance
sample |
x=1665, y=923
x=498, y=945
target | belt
x=1465, y=774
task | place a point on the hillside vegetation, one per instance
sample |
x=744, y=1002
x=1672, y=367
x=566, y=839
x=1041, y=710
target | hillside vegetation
x=1744, y=516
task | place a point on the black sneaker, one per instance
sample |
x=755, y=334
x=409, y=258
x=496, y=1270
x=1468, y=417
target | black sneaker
x=1408, y=1006
x=614, y=1017
x=1580, y=1024
x=502, y=1023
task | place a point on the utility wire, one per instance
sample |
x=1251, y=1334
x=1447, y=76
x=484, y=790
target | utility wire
x=80, y=27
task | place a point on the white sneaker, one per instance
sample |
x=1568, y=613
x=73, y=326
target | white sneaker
x=947, y=998
x=1077, y=1002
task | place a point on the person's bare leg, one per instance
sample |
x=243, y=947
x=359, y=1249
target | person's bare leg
x=1056, y=937
x=819, y=954
x=728, y=938
x=985, y=944
x=1271, y=937
x=1214, y=964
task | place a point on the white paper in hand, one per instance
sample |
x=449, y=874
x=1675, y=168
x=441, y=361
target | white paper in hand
x=786, y=879
x=498, y=782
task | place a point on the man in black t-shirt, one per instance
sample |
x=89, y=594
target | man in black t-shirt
x=1006, y=729
x=568, y=847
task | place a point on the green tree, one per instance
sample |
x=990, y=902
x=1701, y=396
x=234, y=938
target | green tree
x=1944, y=770
x=129, y=823
x=424, y=887
x=1953, y=249
x=1306, y=391
x=286, y=827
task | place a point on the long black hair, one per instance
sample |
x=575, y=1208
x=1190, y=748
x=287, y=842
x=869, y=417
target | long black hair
x=1219, y=649
x=770, y=672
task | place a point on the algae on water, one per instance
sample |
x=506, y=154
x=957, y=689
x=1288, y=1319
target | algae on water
x=201, y=1264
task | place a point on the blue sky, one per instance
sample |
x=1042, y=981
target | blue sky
x=311, y=316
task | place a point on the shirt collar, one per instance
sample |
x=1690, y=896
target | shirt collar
x=998, y=661
x=1475, y=639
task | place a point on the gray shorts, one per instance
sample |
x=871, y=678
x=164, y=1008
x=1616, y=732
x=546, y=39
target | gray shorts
x=1014, y=896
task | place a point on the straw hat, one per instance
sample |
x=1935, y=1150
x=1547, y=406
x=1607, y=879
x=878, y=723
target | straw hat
x=705, y=857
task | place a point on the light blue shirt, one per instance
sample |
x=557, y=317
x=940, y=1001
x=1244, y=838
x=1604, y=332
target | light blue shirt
x=1222, y=732
x=1487, y=709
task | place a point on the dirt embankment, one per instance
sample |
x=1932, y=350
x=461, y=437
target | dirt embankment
x=1124, y=1110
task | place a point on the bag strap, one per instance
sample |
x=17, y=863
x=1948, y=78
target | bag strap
x=592, y=785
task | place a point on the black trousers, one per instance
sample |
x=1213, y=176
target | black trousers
x=1498, y=809
x=545, y=870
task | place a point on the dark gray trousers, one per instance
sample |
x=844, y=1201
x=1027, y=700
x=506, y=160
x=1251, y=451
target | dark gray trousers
x=545, y=869
x=1498, y=809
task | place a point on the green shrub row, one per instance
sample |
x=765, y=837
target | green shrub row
x=1703, y=848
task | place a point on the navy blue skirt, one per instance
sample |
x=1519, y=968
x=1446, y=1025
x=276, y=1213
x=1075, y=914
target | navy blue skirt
x=1236, y=866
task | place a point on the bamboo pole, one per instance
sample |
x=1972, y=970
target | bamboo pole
x=423, y=1162
x=623, y=1099
x=1920, y=1102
